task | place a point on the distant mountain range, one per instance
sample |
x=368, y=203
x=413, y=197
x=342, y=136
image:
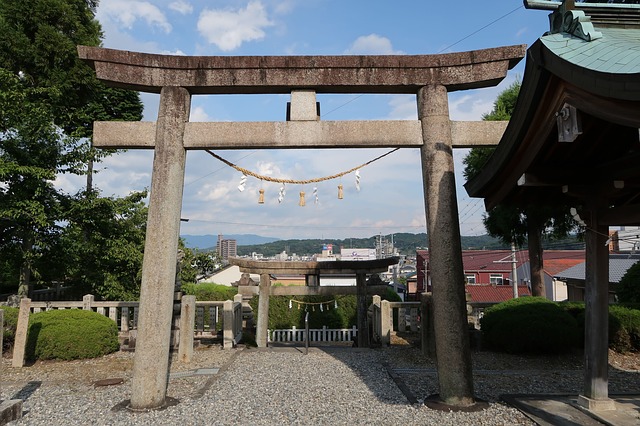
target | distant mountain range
x=209, y=241
x=405, y=243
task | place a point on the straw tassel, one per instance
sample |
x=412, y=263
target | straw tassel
x=261, y=197
x=302, y=202
x=340, y=192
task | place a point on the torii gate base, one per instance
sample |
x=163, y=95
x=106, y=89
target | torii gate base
x=176, y=78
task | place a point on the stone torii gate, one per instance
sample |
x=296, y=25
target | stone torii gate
x=177, y=78
x=312, y=271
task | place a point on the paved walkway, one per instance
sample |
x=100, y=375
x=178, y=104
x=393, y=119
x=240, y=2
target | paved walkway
x=563, y=410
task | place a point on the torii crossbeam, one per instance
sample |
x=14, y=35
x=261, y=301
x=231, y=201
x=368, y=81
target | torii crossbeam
x=177, y=78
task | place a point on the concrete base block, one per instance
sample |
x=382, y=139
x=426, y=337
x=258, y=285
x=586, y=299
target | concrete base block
x=596, y=404
x=10, y=410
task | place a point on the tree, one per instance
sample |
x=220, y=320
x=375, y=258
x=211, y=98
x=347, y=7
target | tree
x=32, y=151
x=103, y=245
x=520, y=224
x=628, y=290
x=50, y=100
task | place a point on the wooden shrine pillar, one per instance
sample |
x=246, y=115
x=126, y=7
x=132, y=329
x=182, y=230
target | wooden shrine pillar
x=151, y=360
x=453, y=351
x=596, y=324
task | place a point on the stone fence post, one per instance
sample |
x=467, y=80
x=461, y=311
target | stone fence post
x=22, y=328
x=11, y=409
x=87, y=301
x=386, y=320
x=187, y=321
x=227, y=324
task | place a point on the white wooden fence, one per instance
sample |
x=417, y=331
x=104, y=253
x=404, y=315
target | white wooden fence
x=324, y=334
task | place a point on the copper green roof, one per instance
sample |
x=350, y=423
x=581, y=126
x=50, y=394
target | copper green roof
x=618, y=51
x=601, y=80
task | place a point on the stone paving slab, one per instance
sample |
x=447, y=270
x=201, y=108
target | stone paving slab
x=563, y=410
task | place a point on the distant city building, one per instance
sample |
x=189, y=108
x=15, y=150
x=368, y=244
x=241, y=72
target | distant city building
x=357, y=254
x=625, y=240
x=226, y=248
x=327, y=254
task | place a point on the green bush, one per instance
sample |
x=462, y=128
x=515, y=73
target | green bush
x=210, y=291
x=624, y=329
x=529, y=325
x=624, y=325
x=628, y=290
x=68, y=334
x=10, y=323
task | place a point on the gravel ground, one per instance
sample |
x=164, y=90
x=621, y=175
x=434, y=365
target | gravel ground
x=283, y=386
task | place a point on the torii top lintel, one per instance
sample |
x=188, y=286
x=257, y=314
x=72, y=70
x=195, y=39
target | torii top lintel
x=281, y=74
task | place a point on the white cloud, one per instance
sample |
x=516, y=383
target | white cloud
x=228, y=29
x=214, y=192
x=181, y=6
x=285, y=7
x=372, y=44
x=199, y=114
x=403, y=107
x=126, y=13
x=176, y=52
x=469, y=107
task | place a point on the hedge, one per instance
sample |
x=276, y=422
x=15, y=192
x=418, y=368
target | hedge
x=68, y=334
x=210, y=291
x=10, y=323
x=529, y=325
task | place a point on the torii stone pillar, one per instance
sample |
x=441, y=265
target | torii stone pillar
x=453, y=352
x=263, y=311
x=151, y=363
x=361, y=303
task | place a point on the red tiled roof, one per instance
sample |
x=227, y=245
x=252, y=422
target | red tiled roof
x=488, y=293
x=500, y=260
x=555, y=266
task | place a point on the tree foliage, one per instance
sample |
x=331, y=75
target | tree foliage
x=49, y=99
x=103, y=245
x=628, y=290
x=524, y=223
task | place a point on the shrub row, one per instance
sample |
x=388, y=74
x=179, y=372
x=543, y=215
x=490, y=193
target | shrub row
x=63, y=334
x=210, y=291
x=537, y=325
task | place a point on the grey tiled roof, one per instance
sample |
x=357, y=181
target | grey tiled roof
x=618, y=51
x=617, y=268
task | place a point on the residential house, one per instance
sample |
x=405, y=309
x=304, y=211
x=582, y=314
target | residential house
x=485, y=270
x=554, y=261
x=575, y=276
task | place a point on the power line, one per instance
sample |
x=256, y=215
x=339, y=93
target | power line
x=482, y=28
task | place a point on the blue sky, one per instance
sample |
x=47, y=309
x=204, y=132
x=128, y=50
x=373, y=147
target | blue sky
x=390, y=199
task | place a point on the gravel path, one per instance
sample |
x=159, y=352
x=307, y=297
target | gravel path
x=284, y=386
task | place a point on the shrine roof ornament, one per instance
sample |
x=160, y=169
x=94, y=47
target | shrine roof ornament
x=602, y=14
